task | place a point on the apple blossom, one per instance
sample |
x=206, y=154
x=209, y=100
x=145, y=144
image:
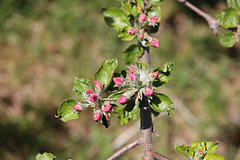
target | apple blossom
x=148, y=91
x=131, y=73
x=155, y=43
x=142, y=17
x=122, y=99
x=97, y=116
x=107, y=107
x=89, y=91
x=98, y=85
x=131, y=31
x=77, y=107
x=153, y=20
x=118, y=81
x=93, y=97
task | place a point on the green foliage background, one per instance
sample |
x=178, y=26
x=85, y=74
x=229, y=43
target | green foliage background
x=45, y=44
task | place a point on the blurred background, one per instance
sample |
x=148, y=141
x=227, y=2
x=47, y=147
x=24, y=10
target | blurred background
x=44, y=44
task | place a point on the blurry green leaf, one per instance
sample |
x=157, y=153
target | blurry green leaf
x=234, y=4
x=141, y=66
x=80, y=85
x=105, y=72
x=132, y=110
x=155, y=12
x=131, y=9
x=121, y=112
x=184, y=150
x=45, y=156
x=161, y=103
x=228, y=18
x=141, y=3
x=66, y=111
x=195, y=145
x=115, y=18
x=213, y=157
x=211, y=147
x=155, y=2
x=228, y=39
x=132, y=53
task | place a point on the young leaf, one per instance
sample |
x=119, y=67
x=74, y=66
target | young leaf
x=121, y=112
x=213, y=157
x=132, y=53
x=80, y=85
x=161, y=103
x=211, y=147
x=228, y=39
x=66, y=111
x=155, y=2
x=125, y=36
x=115, y=18
x=105, y=72
x=228, y=18
x=185, y=150
x=130, y=9
x=45, y=156
x=234, y=4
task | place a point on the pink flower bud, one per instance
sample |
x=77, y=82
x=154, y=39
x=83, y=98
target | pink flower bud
x=89, y=91
x=122, y=99
x=141, y=35
x=153, y=20
x=107, y=107
x=97, y=116
x=148, y=91
x=77, y=107
x=131, y=31
x=155, y=43
x=93, y=97
x=155, y=74
x=131, y=73
x=118, y=81
x=98, y=85
x=200, y=152
x=142, y=17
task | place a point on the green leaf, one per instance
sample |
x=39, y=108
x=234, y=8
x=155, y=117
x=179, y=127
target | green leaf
x=164, y=75
x=45, y=156
x=161, y=103
x=121, y=112
x=116, y=96
x=213, y=157
x=211, y=147
x=228, y=18
x=132, y=53
x=132, y=110
x=234, y=4
x=105, y=72
x=228, y=39
x=130, y=9
x=124, y=35
x=185, y=150
x=80, y=85
x=115, y=18
x=155, y=2
x=66, y=111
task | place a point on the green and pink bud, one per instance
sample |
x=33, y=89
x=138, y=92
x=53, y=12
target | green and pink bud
x=78, y=107
x=200, y=152
x=89, y=91
x=148, y=91
x=131, y=73
x=155, y=43
x=122, y=99
x=93, y=97
x=141, y=36
x=97, y=116
x=154, y=75
x=153, y=20
x=142, y=17
x=98, y=85
x=118, y=81
x=107, y=108
x=131, y=31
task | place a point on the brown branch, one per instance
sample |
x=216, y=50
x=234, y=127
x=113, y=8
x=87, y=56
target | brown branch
x=125, y=149
x=159, y=156
x=212, y=22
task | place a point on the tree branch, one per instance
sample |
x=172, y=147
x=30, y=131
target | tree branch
x=125, y=149
x=159, y=156
x=212, y=22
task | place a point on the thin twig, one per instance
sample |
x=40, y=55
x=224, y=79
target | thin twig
x=125, y=149
x=159, y=156
x=212, y=22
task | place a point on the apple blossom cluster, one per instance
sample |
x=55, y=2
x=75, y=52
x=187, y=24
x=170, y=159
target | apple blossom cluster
x=136, y=84
x=140, y=29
